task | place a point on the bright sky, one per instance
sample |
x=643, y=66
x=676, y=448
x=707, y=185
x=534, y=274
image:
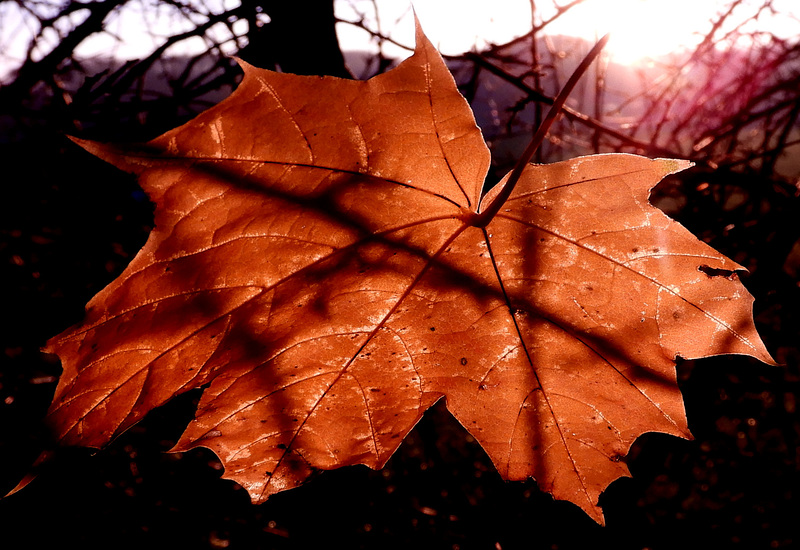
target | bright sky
x=640, y=28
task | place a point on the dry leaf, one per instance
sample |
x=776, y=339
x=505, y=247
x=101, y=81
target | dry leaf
x=316, y=264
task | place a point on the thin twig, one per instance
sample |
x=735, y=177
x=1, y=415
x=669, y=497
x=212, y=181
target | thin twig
x=483, y=218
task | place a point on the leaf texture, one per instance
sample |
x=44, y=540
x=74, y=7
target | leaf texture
x=314, y=267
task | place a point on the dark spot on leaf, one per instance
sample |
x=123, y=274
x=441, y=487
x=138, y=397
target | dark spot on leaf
x=463, y=360
x=281, y=446
x=433, y=329
x=713, y=272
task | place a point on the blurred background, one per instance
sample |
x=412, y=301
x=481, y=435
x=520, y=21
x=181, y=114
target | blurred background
x=717, y=82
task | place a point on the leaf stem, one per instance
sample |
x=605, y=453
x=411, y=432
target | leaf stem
x=482, y=219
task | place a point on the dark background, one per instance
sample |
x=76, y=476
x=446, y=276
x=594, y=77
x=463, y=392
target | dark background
x=69, y=224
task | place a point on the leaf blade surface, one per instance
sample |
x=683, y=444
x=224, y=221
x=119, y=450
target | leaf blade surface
x=315, y=269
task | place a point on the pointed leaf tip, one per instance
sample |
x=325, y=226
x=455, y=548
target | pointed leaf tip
x=673, y=166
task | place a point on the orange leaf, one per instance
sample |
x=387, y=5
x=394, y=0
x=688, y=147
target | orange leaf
x=316, y=265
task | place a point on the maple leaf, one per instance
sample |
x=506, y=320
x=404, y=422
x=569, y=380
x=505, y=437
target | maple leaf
x=321, y=268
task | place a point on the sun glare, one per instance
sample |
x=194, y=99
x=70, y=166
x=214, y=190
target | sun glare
x=640, y=29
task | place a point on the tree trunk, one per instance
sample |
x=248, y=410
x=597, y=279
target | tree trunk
x=300, y=38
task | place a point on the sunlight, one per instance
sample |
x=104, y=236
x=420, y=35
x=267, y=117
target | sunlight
x=640, y=29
